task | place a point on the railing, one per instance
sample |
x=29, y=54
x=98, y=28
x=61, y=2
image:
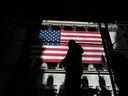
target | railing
x=77, y=24
x=61, y=71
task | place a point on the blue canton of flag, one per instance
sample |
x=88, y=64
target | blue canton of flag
x=50, y=37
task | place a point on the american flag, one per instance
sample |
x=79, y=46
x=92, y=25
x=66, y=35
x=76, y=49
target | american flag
x=55, y=45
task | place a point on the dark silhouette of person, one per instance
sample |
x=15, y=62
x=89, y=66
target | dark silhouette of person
x=84, y=83
x=85, y=90
x=50, y=81
x=104, y=91
x=49, y=89
x=73, y=68
x=101, y=82
x=84, y=86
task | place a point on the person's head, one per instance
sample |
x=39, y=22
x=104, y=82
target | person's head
x=71, y=42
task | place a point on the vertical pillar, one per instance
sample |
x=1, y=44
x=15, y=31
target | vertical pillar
x=108, y=48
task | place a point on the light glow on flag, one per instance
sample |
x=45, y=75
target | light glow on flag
x=55, y=45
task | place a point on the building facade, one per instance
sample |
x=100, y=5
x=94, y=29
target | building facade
x=94, y=71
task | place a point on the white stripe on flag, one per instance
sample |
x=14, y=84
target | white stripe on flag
x=62, y=57
x=80, y=38
x=80, y=34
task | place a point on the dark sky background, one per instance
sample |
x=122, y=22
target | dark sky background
x=77, y=9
